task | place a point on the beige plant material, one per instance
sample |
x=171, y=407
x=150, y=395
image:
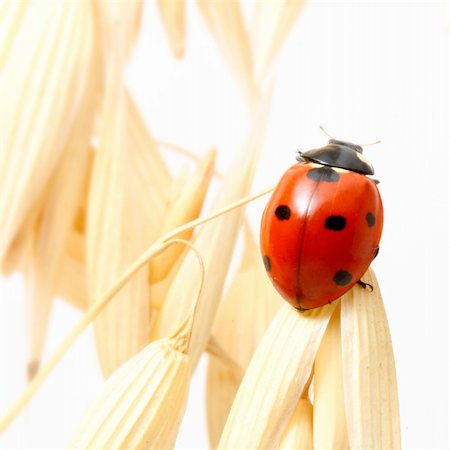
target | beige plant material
x=222, y=383
x=186, y=207
x=330, y=427
x=299, y=430
x=142, y=404
x=148, y=168
x=42, y=85
x=149, y=176
x=226, y=24
x=275, y=379
x=72, y=283
x=117, y=231
x=370, y=385
x=56, y=219
x=111, y=13
x=272, y=22
x=11, y=14
x=247, y=309
x=215, y=242
x=173, y=18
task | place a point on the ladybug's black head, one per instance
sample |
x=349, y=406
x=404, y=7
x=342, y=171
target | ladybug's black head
x=339, y=154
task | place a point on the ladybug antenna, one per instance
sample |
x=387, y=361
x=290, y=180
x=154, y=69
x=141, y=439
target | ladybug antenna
x=370, y=143
x=328, y=134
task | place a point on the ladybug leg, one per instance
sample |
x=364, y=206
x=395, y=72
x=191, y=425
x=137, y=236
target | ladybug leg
x=300, y=309
x=365, y=285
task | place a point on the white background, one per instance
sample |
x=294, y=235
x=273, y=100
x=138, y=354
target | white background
x=366, y=70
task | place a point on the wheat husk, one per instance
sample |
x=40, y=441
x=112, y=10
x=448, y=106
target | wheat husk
x=330, y=427
x=370, y=385
x=275, y=379
x=173, y=18
x=50, y=54
x=11, y=15
x=299, y=430
x=128, y=14
x=149, y=169
x=226, y=24
x=272, y=22
x=248, y=307
x=72, y=286
x=56, y=221
x=116, y=230
x=184, y=208
x=142, y=403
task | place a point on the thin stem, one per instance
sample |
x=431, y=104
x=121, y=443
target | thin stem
x=188, y=323
x=186, y=153
x=97, y=307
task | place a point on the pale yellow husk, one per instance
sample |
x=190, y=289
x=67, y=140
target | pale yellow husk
x=115, y=217
x=186, y=207
x=142, y=404
x=222, y=383
x=11, y=14
x=248, y=307
x=56, y=218
x=330, y=427
x=111, y=13
x=275, y=379
x=72, y=283
x=215, y=242
x=173, y=18
x=273, y=20
x=299, y=430
x=226, y=24
x=42, y=84
x=370, y=385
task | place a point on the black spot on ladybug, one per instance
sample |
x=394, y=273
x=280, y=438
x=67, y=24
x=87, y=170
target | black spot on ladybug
x=370, y=219
x=323, y=174
x=342, y=277
x=335, y=223
x=283, y=212
x=266, y=263
x=375, y=254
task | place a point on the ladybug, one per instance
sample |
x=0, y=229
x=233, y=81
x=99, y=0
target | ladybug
x=322, y=225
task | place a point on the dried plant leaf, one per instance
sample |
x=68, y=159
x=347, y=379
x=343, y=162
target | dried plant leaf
x=275, y=378
x=370, y=385
x=222, y=384
x=273, y=21
x=225, y=22
x=330, y=427
x=148, y=165
x=56, y=220
x=72, y=283
x=216, y=243
x=185, y=208
x=299, y=430
x=142, y=404
x=116, y=231
x=128, y=14
x=11, y=14
x=41, y=86
x=252, y=294
x=244, y=314
x=173, y=18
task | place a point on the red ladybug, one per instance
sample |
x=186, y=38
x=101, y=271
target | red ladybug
x=321, y=228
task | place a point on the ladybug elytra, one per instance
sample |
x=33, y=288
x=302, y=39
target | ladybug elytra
x=322, y=226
